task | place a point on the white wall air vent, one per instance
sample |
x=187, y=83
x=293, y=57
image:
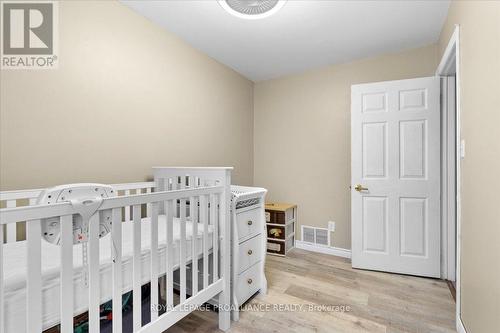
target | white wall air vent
x=313, y=235
x=252, y=9
x=322, y=237
x=308, y=234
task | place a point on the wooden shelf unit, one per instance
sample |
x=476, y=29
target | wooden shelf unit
x=281, y=219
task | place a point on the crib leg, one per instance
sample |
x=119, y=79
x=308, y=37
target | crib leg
x=236, y=314
x=224, y=310
x=225, y=262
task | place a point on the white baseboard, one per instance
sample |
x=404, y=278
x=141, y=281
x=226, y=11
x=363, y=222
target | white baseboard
x=460, y=325
x=334, y=251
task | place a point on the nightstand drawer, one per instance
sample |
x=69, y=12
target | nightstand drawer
x=250, y=252
x=248, y=223
x=248, y=283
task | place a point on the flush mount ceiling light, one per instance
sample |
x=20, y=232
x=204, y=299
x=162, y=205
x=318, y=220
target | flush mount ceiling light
x=252, y=9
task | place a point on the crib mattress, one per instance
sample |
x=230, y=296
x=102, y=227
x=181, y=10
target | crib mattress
x=15, y=271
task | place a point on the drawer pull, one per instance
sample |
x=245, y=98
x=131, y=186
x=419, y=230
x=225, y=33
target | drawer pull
x=249, y=222
x=249, y=281
x=250, y=252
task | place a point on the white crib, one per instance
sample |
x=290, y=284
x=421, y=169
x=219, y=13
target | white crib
x=189, y=234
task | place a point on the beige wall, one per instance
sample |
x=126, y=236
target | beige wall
x=127, y=96
x=480, y=83
x=302, y=134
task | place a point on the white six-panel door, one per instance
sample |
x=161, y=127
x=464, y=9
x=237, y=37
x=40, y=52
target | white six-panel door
x=395, y=170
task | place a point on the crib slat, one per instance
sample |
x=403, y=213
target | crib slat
x=161, y=184
x=182, y=261
x=193, y=212
x=154, y=261
x=169, y=273
x=127, y=208
x=148, y=206
x=11, y=232
x=94, y=265
x=2, y=310
x=174, y=186
x=137, y=310
x=204, y=220
x=11, y=227
x=116, y=249
x=34, y=277
x=66, y=274
x=215, y=224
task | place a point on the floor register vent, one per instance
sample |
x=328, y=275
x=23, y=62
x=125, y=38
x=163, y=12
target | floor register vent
x=313, y=235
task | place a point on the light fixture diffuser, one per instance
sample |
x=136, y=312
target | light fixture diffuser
x=252, y=9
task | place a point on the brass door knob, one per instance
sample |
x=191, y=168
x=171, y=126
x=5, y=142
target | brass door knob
x=249, y=222
x=250, y=252
x=249, y=281
x=360, y=188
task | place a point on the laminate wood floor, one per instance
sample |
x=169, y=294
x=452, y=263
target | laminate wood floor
x=377, y=302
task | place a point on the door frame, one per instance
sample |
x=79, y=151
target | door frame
x=448, y=179
x=450, y=62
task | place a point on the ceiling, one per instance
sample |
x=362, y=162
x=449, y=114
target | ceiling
x=302, y=35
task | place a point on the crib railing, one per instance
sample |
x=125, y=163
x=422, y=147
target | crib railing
x=208, y=205
x=14, y=199
x=11, y=198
